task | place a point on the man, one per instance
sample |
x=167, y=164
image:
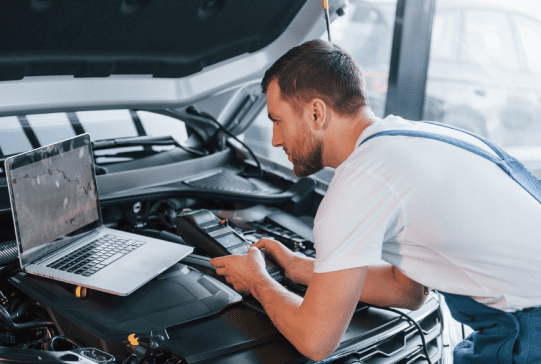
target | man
x=444, y=217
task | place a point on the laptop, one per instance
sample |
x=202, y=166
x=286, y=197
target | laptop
x=59, y=229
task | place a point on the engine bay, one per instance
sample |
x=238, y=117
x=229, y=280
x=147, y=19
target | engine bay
x=187, y=314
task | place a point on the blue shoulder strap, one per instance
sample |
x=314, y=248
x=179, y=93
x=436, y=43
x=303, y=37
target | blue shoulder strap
x=509, y=164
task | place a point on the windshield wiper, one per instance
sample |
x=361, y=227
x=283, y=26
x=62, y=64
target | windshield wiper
x=142, y=141
x=138, y=141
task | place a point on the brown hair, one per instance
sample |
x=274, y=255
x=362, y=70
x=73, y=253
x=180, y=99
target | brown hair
x=319, y=69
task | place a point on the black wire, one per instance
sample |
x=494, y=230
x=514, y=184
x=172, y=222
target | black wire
x=61, y=337
x=407, y=317
x=6, y=318
x=194, y=111
x=328, y=22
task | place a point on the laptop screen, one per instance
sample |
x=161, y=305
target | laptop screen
x=53, y=196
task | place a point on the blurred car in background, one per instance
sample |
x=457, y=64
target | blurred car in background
x=484, y=70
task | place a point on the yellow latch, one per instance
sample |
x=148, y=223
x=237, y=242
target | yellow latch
x=133, y=340
x=80, y=292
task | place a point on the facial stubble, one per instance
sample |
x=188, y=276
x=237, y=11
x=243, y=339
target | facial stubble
x=309, y=162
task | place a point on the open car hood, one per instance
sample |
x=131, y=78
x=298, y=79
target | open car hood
x=60, y=55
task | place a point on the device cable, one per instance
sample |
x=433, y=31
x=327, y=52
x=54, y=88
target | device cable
x=409, y=319
x=194, y=111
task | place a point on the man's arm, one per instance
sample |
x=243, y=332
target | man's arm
x=385, y=285
x=315, y=324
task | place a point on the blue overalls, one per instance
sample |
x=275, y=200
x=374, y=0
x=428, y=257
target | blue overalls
x=498, y=337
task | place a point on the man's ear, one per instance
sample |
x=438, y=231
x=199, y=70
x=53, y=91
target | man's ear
x=318, y=113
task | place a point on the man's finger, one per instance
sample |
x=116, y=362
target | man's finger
x=253, y=250
x=218, y=262
x=220, y=271
x=261, y=243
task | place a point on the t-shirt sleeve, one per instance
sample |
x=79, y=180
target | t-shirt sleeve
x=358, y=213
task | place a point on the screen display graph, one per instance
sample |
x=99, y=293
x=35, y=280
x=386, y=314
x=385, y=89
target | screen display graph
x=54, y=197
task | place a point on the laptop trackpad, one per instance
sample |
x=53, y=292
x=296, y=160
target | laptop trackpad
x=141, y=264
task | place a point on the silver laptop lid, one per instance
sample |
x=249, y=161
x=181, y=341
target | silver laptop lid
x=53, y=196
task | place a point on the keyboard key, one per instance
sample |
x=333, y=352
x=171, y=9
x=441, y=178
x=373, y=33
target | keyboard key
x=112, y=258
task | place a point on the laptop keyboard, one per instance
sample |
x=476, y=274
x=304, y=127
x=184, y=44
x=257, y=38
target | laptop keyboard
x=95, y=256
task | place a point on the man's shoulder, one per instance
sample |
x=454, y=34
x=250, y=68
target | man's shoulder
x=377, y=147
x=393, y=122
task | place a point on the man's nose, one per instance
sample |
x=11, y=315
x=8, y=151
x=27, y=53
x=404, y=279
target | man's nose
x=277, y=140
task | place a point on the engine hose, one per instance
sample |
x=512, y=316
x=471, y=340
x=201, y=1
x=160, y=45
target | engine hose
x=5, y=317
x=8, y=252
x=20, y=311
x=61, y=337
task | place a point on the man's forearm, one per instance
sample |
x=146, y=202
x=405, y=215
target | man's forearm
x=301, y=270
x=316, y=323
x=282, y=307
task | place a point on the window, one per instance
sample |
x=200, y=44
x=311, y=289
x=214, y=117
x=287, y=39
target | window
x=445, y=35
x=488, y=40
x=12, y=137
x=480, y=79
x=19, y=134
x=529, y=31
x=366, y=32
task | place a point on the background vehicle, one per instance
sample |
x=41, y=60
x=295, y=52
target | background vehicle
x=484, y=71
x=134, y=75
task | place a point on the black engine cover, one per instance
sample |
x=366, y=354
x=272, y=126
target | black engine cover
x=179, y=295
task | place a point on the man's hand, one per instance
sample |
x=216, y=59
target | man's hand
x=242, y=271
x=298, y=269
x=276, y=250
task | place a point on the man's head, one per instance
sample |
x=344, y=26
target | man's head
x=305, y=87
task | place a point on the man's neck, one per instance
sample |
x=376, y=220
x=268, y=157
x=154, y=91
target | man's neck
x=341, y=139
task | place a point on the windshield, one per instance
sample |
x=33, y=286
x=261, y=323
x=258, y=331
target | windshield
x=22, y=133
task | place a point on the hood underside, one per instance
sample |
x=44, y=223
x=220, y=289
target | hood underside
x=79, y=55
x=163, y=38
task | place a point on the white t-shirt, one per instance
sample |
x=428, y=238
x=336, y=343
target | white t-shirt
x=447, y=218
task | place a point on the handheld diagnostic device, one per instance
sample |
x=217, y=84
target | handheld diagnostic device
x=216, y=238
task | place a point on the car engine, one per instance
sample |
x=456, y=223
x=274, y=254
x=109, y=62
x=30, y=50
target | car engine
x=188, y=314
